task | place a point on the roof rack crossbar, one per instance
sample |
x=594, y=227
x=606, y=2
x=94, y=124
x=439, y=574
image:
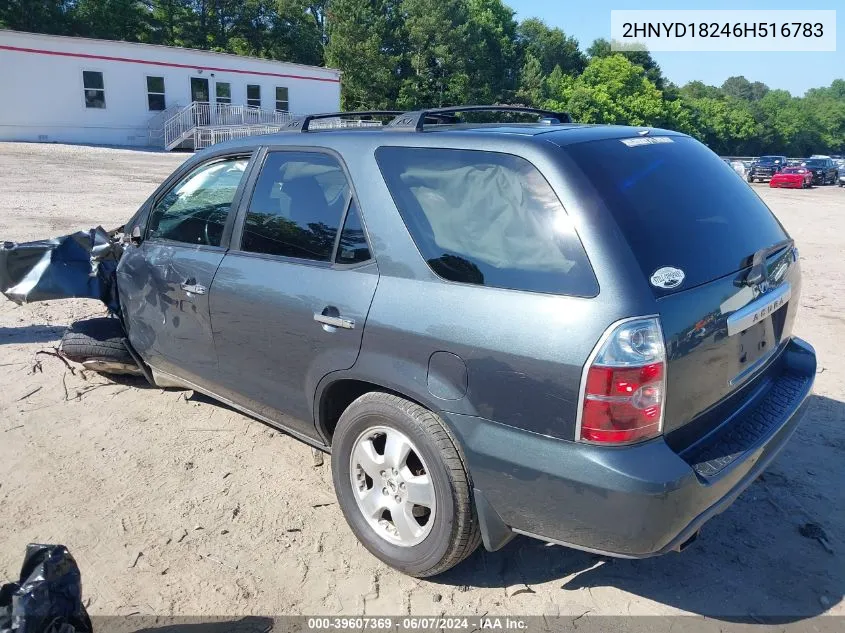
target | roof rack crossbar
x=302, y=124
x=416, y=119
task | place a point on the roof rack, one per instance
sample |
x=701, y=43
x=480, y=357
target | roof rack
x=302, y=124
x=416, y=119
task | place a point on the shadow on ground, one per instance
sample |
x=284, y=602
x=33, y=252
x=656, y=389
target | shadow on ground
x=142, y=624
x=31, y=334
x=751, y=562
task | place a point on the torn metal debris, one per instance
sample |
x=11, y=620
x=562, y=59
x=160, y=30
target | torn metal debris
x=81, y=264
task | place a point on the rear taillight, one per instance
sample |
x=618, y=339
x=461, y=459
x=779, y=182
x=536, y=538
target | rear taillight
x=624, y=385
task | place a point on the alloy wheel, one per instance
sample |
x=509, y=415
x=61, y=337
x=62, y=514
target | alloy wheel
x=392, y=486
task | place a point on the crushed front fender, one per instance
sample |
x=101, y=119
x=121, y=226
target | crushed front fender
x=81, y=264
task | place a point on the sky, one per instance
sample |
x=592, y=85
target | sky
x=796, y=72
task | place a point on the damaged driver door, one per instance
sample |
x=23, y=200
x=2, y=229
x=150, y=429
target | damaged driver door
x=164, y=280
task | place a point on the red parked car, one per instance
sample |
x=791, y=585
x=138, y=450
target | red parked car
x=793, y=177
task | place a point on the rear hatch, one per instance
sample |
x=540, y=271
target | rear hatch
x=695, y=239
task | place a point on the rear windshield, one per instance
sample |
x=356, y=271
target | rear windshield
x=678, y=205
x=487, y=219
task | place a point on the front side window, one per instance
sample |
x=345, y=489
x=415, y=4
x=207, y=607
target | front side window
x=155, y=93
x=296, y=207
x=223, y=92
x=253, y=95
x=94, y=88
x=487, y=219
x=281, y=99
x=194, y=211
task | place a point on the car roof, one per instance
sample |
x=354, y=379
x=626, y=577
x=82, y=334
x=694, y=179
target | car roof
x=560, y=134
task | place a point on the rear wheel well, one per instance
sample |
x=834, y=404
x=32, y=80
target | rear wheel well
x=339, y=395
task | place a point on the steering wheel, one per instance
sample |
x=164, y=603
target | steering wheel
x=205, y=233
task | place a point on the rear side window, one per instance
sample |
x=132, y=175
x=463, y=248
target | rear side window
x=678, y=205
x=353, y=247
x=486, y=218
x=296, y=207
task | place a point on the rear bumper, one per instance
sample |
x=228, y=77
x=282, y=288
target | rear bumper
x=633, y=502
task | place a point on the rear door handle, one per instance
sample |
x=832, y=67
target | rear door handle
x=194, y=289
x=335, y=321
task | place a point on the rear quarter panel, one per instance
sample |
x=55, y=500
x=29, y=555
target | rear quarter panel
x=524, y=352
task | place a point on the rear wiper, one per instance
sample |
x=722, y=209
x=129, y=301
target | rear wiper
x=758, y=263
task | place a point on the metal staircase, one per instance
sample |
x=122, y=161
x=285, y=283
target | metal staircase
x=201, y=124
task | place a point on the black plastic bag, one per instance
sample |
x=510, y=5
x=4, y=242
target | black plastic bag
x=48, y=597
x=81, y=264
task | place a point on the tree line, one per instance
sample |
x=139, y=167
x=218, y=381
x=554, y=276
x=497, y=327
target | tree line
x=407, y=54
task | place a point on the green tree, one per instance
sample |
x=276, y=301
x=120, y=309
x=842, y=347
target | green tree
x=365, y=41
x=128, y=20
x=437, y=39
x=603, y=48
x=787, y=125
x=612, y=90
x=531, y=82
x=724, y=124
x=172, y=22
x=738, y=87
x=551, y=46
x=492, y=56
x=39, y=16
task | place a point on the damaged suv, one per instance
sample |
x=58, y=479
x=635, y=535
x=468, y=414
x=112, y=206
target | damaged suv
x=495, y=329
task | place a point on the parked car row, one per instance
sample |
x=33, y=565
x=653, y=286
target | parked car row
x=781, y=171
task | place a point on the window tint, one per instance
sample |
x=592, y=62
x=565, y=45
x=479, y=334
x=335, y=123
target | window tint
x=94, y=88
x=195, y=210
x=296, y=207
x=486, y=218
x=253, y=95
x=155, y=93
x=281, y=99
x=677, y=205
x=353, y=245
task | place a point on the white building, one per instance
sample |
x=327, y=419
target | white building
x=77, y=90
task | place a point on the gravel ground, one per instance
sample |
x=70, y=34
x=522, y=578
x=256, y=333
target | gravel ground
x=173, y=505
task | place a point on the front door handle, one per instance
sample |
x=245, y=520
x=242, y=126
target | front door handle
x=335, y=321
x=193, y=288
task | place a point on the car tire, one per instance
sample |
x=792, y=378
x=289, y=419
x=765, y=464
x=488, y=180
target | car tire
x=435, y=541
x=98, y=339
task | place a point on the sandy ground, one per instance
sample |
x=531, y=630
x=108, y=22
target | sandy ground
x=174, y=505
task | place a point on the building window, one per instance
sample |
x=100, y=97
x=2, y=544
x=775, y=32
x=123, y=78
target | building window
x=155, y=93
x=94, y=88
x=223, y=91
x=253, y=95
x=281, y=99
